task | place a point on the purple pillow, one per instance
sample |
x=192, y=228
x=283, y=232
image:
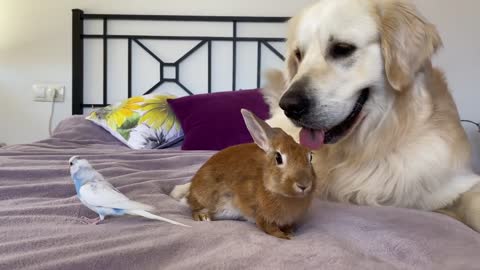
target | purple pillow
x=213, y=121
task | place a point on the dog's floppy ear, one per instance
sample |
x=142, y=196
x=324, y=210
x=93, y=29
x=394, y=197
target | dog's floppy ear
x=273, y=90
x=407, y=41
x=291, y=60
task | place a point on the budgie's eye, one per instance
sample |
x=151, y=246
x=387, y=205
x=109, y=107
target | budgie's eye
x=71, y=163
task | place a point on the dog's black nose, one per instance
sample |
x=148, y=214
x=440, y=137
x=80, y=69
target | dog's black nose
x=294, y=104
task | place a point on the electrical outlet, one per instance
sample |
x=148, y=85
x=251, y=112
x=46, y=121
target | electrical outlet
x=46, y=92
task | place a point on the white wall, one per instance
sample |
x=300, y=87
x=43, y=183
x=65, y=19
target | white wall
x=35, y=46
x=459, y=26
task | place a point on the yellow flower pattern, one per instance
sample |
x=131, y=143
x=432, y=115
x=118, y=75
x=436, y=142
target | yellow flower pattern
x=119, y=114
x=157, y=113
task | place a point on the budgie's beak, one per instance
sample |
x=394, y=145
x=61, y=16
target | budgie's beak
x=72, y=160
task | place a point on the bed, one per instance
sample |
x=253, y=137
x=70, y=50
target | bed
x=41, y=225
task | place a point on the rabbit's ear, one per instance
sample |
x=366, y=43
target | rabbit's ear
x=261, y=132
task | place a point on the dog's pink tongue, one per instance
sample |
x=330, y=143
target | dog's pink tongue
x=312, y=138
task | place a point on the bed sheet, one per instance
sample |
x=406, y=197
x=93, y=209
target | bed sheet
x=41, y=228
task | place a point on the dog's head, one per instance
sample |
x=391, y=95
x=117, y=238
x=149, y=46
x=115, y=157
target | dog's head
x=347, y=58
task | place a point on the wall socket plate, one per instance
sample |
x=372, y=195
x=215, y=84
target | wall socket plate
x=45, y=92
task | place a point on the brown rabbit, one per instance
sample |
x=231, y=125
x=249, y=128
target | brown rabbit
x=270, y=182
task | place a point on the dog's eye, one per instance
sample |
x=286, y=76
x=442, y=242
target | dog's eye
x=298, y=55
x=342, y=50
x=310, y=156
x=278, y=158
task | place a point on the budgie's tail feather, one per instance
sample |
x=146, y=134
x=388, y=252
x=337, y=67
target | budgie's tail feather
x=179, y=192
x=137, y=205
x=149, y=215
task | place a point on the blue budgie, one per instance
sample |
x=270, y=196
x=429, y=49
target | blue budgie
x=99, y=195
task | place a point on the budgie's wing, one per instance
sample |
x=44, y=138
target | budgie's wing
x=103, y=194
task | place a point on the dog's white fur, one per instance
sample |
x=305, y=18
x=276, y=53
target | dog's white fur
x=410, y=150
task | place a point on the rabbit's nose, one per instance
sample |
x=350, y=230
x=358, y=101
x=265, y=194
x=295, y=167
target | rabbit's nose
x=302, y=187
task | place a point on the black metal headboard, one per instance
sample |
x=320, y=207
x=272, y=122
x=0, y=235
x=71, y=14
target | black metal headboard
x=78, y=37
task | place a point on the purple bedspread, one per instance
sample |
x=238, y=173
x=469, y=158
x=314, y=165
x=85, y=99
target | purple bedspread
x=40, y=225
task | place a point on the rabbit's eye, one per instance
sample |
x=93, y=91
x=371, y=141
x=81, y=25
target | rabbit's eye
x=278, y=158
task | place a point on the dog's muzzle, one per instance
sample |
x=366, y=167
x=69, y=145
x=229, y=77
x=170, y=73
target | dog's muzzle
x=297, y=107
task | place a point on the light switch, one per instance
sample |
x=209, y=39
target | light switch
x=39, y=92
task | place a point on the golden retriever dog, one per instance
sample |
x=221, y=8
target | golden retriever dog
x=360, y=90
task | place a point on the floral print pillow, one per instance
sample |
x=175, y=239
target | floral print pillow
x=144, y=122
